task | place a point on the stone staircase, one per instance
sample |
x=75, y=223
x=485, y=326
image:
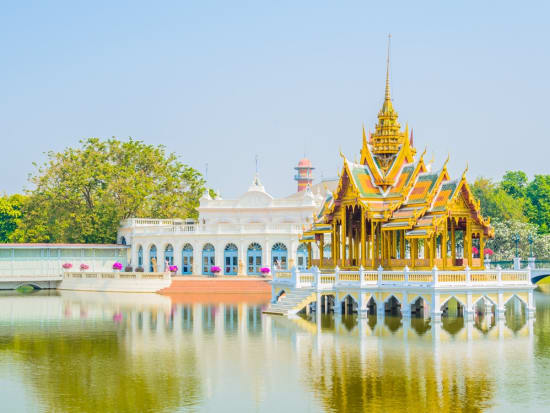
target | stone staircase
x=292, y=302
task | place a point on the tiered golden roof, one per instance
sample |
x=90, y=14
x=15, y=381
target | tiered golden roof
x=391, y=196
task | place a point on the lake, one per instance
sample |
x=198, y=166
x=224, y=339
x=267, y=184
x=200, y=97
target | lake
x=98, y=352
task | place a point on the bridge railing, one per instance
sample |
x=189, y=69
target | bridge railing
x=323, y=280
x=115, y=275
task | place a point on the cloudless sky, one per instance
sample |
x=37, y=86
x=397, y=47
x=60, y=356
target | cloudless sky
x=219, y=82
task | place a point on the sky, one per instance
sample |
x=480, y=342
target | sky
x=221, y=82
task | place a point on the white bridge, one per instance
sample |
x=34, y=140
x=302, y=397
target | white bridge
x=409, y=292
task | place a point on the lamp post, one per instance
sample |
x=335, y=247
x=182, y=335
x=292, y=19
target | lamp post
x=530, y=239
x=516, y=239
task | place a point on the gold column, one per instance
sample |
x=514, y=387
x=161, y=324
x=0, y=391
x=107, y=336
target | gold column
x=309, y=255
x=481, y=248
x=431, y=251
x=343, y=235
x=321, y=250
x=469, y=235
x=363, y=244
x=332, y=243
x=402, y=245
x=444, y=245
x=453, y=243
x=371, y=246
x=414, y=251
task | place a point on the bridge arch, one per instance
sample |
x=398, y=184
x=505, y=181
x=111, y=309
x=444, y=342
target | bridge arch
x=392, y=305
x=515, y=296
x=28, y=284
x=349, y=304
x=419, y=306
x=452, y=307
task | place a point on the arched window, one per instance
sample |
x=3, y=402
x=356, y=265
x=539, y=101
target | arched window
x=187, y=259
x=153, y=265
x=140, y=256
x=123, y=240
x=231, y=259
x=168, y=256
x=279, y=256
x=254, y=258
x=302, y=256
x=208, y=258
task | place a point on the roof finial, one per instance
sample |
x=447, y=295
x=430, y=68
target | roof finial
x=387, y=96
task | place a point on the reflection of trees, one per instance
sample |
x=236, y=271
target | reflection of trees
x=452, y=325
x=393, y=323
x=420, y=325
x=91, y=371
x=389, y=381
x=349, y=321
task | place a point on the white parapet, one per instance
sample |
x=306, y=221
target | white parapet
x=144, y=282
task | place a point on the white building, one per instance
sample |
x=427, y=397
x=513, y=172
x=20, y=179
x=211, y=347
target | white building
x=238, y=235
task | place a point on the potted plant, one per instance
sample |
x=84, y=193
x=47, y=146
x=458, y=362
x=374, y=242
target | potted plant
x=117, y=266
x=67, y=266
x=215, y=270
x=173, y=269
x=128, y=268
x=84, y=267
x=139, y=269
x=265, y=271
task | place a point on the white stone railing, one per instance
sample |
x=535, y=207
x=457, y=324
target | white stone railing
x=323, y=280
x=166, y=226
x=115, y=275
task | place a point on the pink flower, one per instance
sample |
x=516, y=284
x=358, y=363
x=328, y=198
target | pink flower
x=117, y=266
x=84, y=266
x=488, y=251
x=67, y=265
x=173, y=268
x=265, y=270
x=215, y=268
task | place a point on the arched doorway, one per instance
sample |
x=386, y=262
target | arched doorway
x=208, y=258
x=279, y=256
x=140, y=256
x=254, y=258
x=231, y=259
x=153, y=265
x=187, y=259
x=302, y=257
x=168, y=256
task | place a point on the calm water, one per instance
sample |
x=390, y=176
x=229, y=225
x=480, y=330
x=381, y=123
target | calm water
x=94, y=352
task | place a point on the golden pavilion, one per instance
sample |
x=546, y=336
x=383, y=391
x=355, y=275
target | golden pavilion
x=393, y=210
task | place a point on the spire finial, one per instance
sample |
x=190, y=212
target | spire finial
x=387, y=96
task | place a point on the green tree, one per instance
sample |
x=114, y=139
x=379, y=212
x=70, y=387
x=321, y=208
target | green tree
x=82, y=194
x=497, y=203
x=515, y=183
x=10, y=214
x=538, y=193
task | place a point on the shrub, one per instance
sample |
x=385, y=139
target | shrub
x=84, y=267
x=128, y=268
x=117, y=266
x=139, y=269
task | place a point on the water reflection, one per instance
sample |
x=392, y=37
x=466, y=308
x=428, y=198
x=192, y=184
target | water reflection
x=126, y=352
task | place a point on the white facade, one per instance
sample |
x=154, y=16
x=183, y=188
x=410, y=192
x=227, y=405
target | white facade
x=245, y=233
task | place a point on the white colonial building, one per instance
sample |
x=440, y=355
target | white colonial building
x=238, y=235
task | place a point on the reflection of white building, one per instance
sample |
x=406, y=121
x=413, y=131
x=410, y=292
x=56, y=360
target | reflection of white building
x=238, y=235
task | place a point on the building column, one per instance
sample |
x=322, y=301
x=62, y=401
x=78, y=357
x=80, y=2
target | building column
x=266, y=258
x=468, y=252
x=481, y=248
x=177, y=257
x=453, y=243
x=371, y=253
x=343, y=236
x=321, y=250
x=309, y=255
x=363, y=244
x=444, y=245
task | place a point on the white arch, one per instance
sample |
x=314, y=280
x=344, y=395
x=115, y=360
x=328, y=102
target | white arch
x=457, y=300
x=389, y=298
x=485, y=297
x=516, y=296
x=343, y=300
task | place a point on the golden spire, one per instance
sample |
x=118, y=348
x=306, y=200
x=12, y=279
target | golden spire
x=387, y=138
x=387, y=95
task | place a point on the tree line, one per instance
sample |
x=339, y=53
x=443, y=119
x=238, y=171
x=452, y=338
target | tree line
x=517, y=207
x=80, y=195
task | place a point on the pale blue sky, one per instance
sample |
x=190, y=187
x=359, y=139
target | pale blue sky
x=218, y=82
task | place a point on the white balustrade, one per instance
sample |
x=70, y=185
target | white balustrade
x=330, y=279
